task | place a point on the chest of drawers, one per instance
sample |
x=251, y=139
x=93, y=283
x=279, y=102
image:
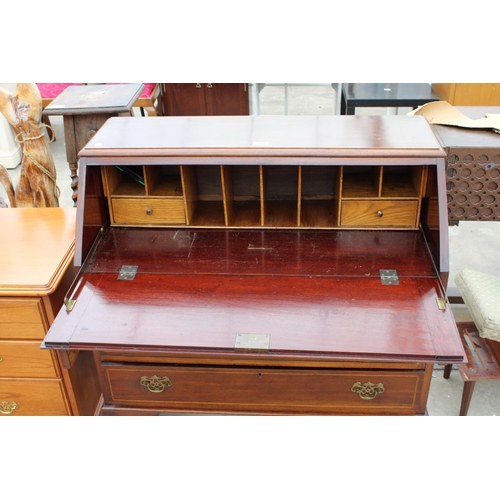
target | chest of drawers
x=36, y=271
x=261, y=265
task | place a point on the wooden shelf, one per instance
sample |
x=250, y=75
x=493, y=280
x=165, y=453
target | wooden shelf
x=267, y=196
x=208, y=214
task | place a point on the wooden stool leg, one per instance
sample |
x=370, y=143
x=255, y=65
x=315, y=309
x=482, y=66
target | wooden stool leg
x=46, y=121
x=151, y=111
x=466, y=397
x=447, y=371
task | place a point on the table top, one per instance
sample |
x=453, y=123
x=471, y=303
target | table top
x=266, y=136
x=94, y=99
x=366, y=93
x=450, y=136
x=38, y=245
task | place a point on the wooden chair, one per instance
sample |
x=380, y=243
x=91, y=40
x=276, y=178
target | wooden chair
x=480, y=338
x=149, y=101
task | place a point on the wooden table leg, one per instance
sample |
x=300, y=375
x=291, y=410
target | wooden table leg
x=71, y=153
x=466, y=397
x=447, y=371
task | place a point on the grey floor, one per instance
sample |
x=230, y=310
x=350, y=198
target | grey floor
x=473, y=245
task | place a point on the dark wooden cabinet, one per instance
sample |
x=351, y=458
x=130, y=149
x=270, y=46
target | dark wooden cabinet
x=262, y=265
x=472, y=168
x=199, y=99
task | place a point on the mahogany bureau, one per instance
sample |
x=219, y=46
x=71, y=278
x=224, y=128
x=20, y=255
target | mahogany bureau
x=261, y=265
x=36, y=270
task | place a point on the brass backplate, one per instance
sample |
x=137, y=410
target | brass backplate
x=252, y=342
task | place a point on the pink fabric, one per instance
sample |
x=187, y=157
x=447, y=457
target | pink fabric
x=148, y=89
x=52, y=90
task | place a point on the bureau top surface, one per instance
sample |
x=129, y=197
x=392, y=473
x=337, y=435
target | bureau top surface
x=38, y=245
x=265, y=136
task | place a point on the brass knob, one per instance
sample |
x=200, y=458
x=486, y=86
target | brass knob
x=367, y=390
x=380, y=213
x=8, y=408
x=1, y=359
x=149, y=211
x=155, y=383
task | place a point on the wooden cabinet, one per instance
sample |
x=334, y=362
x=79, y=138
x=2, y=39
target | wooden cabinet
x=262, y=265
x=469, y=94
x=36, y=271
x=472, y=168
x=199, y=99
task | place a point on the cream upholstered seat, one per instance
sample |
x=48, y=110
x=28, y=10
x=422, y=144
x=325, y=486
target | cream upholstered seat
x=481, y=339
x=481, y=295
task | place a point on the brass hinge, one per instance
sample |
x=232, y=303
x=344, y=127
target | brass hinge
x=69, y=303
x=127, y=272
x=441, y=302
x=389, y=277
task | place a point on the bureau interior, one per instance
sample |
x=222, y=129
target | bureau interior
x=266, y=196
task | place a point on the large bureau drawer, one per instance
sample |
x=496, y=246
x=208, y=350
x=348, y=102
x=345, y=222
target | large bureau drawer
x=148, y=211
x=221, y=389
x=25, y=359
x=379, y=213
x=32, y=397
x=21, y=318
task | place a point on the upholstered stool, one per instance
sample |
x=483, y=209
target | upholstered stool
x=481, y=339
x=49, y=91
x=481, y=294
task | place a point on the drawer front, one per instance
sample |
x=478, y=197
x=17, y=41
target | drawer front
x=21, y=319
x=148, y=211
x=32, y=398
x=379, y=213
x=25, y=359
x=263, y=391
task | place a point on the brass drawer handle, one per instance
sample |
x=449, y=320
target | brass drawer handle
x=380, y=213
x=198, y=85
x=367, y=390
x=8, y=408
x=155, y=383
x=1, y=359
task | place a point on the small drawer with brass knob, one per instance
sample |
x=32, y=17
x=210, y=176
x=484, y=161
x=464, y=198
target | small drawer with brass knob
x=144, y=210
x=382, y=213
